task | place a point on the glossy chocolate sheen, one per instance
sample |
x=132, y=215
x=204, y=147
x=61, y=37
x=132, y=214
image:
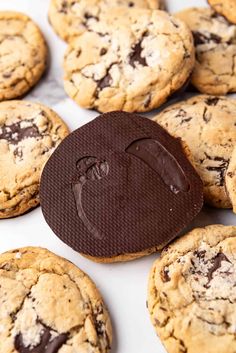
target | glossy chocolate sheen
x=119, y=185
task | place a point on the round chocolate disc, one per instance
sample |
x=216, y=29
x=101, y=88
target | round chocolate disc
x=119, y=185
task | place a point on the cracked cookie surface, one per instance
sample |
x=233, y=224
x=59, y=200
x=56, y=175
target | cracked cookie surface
x=192, y=296
x=133, y=63
x=215, y=42
x=207, y=124
x=71, y=18
x=227, y=8
x=23, y=54
x=48, y=305
x=29, y=133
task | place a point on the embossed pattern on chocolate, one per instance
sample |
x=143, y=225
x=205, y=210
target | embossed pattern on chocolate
x=131, y=179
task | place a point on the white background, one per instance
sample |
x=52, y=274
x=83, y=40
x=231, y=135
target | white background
x=123, y=286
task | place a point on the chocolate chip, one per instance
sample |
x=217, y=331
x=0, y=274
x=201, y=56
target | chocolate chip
x=165, y=275
x=220, y=169
x=103, y=51
x=64, y=7
x=212, y=101
x=216, y=264
x=200, y=38
x=131, y=4
x=99, y=325
x=105, y=81
x=88, y=16
x=18, y=152
x=206, y=116
x=15, y=133
x=200, y=254
x=47, y=344
x=135, y=57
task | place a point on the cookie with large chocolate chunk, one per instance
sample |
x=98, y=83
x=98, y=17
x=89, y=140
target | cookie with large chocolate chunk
x=215, y=39
x=29, y=133
x=118, y=188
x=23, y=54
x=70, y=18
x=207, y=124
x=191, y=295
x=48, y=305
x=131, y=61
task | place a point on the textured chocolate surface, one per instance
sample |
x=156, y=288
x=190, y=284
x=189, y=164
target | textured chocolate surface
x=118, y=185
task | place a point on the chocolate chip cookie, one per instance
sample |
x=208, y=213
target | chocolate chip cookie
x=227, y=8
x=132, y=179
x=215, y=42
x=48, y=305
x=23, y=54
x=191, y=296
x=29, y=133
x=207, y=124
x=70, y=18
x=134, y=64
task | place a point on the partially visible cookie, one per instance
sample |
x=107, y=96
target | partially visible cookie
x=215, y=42
x=227, y=8
x=230, y=179
x=207, y=124
x=23, y=54
x=49, y=305
x=134, y=64
x=29, y=133
x=191, y=295
x=71, y=18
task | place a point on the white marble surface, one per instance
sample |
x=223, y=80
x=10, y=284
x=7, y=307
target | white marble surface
x=123, y=286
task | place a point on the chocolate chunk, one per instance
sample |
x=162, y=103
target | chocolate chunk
x=103, y=51
x=105, y=81
x=136, y=55
x=88, y=16
x=165, y=275
x=200, y=38
x=206, y=116
x=47, y=344
x=15, y=133
x=103, y=193
x=64, y=7
x=216, y=264
x=212, y=101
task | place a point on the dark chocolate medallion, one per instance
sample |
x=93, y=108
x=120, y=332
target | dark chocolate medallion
x=119, y=185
